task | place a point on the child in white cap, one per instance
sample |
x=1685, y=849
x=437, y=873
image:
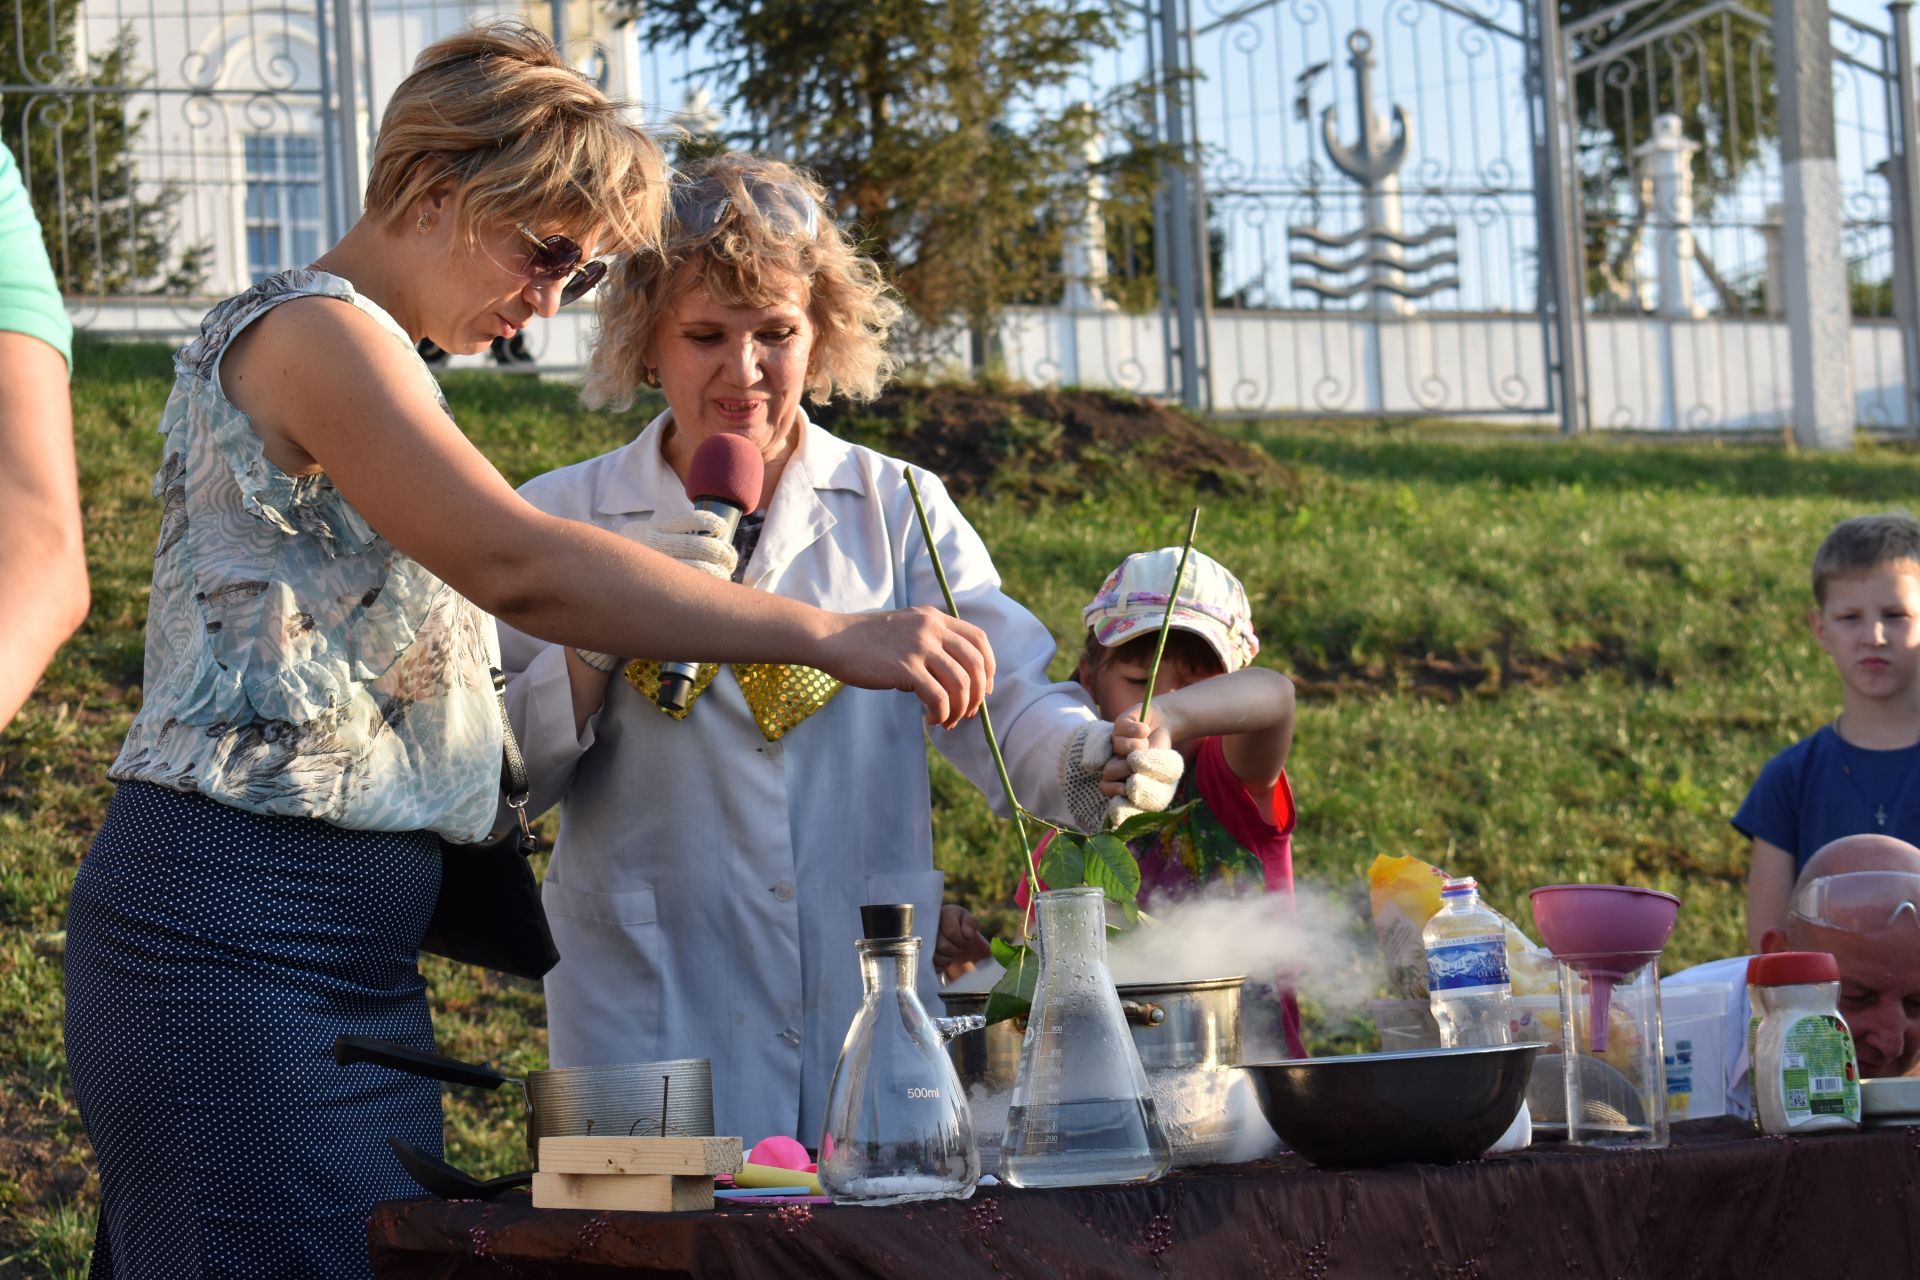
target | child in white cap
x=1218, y=730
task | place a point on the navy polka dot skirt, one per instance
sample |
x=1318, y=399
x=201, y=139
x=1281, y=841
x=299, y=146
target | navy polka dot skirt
x=212, y=957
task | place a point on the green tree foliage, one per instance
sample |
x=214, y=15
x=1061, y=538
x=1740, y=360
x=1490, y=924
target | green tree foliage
x=940, y=127
x=105, y=232
x=1715, y=73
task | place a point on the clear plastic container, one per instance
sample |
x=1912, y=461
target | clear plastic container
x=898, y=1126
x=1082, y=1114
x=1615, y=1070
x=1805, y=1076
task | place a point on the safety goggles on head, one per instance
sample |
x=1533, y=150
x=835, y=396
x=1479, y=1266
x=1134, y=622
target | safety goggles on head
x=554, y=258
x=1860, y=901
x=700, y=205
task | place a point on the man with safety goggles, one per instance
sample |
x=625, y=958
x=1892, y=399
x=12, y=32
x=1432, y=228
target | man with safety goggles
x=1859, y=900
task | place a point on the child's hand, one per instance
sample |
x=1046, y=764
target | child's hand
x=1131, y=734
x=959, y=945
x=1144, y=770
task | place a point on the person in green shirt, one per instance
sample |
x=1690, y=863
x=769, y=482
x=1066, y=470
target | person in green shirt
x=43, y=568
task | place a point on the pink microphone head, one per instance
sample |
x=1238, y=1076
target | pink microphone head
x=729, y=468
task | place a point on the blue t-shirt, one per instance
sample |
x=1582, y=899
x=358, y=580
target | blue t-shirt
x=1822, y=788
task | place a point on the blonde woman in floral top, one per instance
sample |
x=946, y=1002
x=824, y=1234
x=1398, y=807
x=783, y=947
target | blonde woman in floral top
x=318, y=703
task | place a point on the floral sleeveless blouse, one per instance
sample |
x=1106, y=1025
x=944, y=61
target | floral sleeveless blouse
x=296, y=663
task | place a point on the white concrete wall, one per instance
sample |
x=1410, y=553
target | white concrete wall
x=1645, y=373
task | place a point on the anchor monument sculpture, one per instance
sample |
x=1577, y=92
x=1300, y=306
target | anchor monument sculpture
x=1374, y=162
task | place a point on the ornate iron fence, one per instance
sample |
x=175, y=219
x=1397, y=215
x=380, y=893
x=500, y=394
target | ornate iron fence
x=1679, y=216
x=1376, y=207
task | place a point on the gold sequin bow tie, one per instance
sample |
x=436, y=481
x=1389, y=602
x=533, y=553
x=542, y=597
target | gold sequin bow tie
x=780, y=694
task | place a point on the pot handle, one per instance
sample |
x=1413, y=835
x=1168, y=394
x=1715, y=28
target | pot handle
x=1143, y=1013
x=415, y=1062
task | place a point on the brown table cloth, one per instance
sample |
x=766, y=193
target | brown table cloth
x=1719, y=1202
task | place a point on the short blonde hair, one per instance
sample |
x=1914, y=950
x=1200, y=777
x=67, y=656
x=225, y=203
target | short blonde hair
x=527, y=139
x=1863, y=544
x=769, y=225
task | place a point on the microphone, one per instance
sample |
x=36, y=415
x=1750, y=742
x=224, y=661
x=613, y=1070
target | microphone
x=724, y=479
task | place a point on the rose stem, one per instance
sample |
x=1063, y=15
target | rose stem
x=1166, y=619
x=986, y=718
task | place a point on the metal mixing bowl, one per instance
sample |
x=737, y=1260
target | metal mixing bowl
x=1432, y=1105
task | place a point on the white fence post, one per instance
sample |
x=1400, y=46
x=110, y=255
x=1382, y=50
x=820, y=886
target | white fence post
x=1819, y=318
x=1668, y=156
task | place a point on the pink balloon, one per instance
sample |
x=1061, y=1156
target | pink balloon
x=779, y=1153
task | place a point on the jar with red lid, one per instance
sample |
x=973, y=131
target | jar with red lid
x=1805, y=1076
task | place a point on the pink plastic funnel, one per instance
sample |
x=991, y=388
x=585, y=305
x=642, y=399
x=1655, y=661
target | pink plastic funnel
x=1605, y=931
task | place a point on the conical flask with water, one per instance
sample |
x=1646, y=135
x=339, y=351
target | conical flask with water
x=898, y=1126
x=1082, y=1114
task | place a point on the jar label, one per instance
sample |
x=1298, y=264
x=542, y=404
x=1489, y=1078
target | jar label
x=1464, y=965
x=1818, y=1075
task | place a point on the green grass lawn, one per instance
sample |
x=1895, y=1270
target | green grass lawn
x=1526, y=659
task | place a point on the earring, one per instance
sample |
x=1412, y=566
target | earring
x=651, y=377
x=425, y=224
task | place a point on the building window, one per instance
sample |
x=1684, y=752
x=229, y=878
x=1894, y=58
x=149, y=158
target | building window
x=283, y=203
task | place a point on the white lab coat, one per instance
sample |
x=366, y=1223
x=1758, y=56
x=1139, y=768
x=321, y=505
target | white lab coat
x=705, y=887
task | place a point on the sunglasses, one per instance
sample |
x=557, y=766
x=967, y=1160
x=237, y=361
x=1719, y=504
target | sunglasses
x=1860, y=901
x=701, y=205
x=558, y=258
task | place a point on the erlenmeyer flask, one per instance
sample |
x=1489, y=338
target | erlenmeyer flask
x=1082, y=1114
x=898, y=1127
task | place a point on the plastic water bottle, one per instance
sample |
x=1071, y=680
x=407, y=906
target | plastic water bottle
x=1467, y=985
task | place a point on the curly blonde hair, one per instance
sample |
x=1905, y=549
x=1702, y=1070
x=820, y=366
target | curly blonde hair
x=498, y=111
x=744, y=227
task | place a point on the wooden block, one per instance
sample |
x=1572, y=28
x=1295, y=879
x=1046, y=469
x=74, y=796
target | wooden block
x=644, y=1192
x=621, y=1154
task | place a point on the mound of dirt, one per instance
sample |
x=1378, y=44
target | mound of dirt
x=1050, y=443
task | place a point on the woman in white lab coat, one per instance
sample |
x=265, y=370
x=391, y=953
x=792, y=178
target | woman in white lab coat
x=705, y=888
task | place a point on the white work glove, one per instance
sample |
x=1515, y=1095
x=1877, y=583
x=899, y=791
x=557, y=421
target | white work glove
x=697, y=538
x=1152, y=775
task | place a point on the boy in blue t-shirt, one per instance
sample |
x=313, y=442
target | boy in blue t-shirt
x=1853, y=775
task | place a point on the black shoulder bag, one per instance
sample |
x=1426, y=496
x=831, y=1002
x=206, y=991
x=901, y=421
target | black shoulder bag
x=489, y=911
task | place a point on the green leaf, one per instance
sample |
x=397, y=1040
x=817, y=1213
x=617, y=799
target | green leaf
x=1110, y=867
x=1005, y=952
x=1064, y=864
x=1149, y=824
x=1012, y=996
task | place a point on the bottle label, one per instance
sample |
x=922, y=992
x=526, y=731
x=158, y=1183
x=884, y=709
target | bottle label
x=1467, y=965
x=1818, y=1075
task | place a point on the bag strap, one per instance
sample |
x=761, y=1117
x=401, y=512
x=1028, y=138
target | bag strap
x=514, y=785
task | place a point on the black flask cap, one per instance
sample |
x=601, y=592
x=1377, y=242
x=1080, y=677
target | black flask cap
x=887, y=920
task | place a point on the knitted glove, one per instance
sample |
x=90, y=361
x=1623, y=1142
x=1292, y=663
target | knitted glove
x=1153, y=774
x=697, y=539
x=1081, y=760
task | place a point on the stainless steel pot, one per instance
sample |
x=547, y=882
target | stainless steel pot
x=570, y=1101
x=1188, y=1036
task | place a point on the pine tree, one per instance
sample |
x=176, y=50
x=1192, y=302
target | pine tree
x=941, y=129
